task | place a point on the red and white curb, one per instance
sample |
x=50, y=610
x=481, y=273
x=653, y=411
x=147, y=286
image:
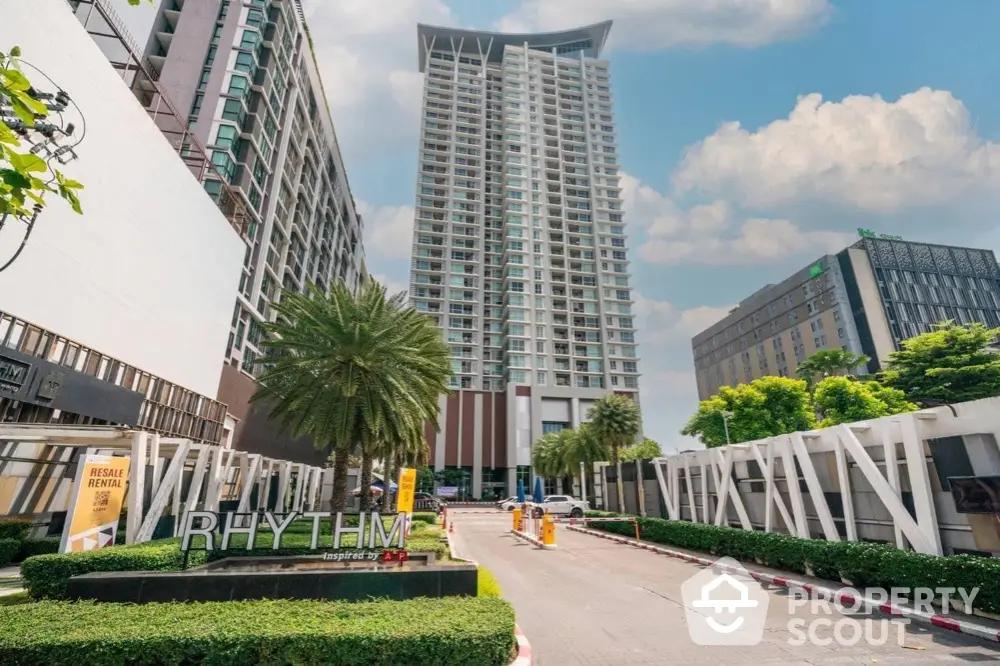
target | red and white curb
x=817, y=591
x=530, y=538
x=523, y=649
x=523, y=646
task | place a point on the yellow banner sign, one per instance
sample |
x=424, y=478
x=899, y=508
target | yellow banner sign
x=407, y=486
x=97, y=503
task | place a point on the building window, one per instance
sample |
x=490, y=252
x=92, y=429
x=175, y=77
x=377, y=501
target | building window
x=255, y=18
x=238, y=86
x=226, y=136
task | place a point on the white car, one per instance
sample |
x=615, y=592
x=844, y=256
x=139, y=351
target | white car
x=564, y=505
x=558, y=505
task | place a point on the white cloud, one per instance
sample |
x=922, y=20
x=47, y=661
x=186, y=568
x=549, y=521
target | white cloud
x=367, y=55
x=658, y=24
x=711, y=233
x=875, y=154
x=388, y=231
x=669, y=391
x=392, y=286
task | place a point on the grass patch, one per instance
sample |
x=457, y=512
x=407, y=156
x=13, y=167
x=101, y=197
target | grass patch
x=488, y=585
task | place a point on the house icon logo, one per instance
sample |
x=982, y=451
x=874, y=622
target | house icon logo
x=724, y=605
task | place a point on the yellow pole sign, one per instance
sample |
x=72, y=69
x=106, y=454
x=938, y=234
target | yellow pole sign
x=98, y=494
x=407, y=487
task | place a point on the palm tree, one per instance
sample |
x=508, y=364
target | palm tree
x=828, y=362
x=616, y=422
x=583, y=450
x=352, y=371
x=546, y=458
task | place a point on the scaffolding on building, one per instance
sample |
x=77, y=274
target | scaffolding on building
x=108, y=31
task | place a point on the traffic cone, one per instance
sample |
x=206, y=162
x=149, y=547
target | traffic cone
x=451, y=527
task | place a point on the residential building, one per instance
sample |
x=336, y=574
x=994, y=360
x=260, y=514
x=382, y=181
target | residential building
x=247, y=76
x=116, y=315
x=866, y=299
x=519, y=251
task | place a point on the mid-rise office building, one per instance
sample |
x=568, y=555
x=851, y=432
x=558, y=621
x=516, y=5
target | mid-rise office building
x=866, y=299
x=247, y=76
x=519, y=250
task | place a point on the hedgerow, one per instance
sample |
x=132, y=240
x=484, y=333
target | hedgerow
x=46, y=576
x=862, y=564
x=14, y=527
x=8, y=550
x=433, y=632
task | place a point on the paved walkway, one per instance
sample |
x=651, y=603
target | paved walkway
x=596, y=602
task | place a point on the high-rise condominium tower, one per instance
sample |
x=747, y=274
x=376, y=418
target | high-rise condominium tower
x=519, y=247
x=246, y=75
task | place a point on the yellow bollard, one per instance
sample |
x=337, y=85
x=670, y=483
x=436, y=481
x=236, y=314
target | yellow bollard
x=517, y=519
x=548, y=531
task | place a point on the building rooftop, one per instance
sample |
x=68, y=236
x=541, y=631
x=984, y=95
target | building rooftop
x=589, y=39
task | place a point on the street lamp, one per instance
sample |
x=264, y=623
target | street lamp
x=725, y=424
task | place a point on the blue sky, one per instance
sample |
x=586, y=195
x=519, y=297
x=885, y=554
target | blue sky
x=755, y=134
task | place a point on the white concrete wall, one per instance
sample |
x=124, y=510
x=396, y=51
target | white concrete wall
x=149, y=272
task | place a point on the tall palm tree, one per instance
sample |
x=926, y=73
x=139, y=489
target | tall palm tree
x=584, y=449
x=616, y=422
x=352, y=371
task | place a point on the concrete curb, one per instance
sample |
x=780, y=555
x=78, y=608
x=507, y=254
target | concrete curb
x=523, y=649
x=816, y=591
x=523, y=646
x=532, y=540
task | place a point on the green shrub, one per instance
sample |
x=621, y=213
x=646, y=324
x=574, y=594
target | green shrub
x=45, y=576
x=14, y=527
x=455, y=630
x=33, y=547
x=863, y=564
x=425, y=517
x=8, y=550
x=488, y=585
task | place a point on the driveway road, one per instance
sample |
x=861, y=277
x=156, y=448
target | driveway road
x=592, y=602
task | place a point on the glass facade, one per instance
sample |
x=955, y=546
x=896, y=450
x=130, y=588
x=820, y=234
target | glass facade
x=922, y=285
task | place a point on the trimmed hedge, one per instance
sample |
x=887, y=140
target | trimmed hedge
x=431, y=632
x=33, y=547
x=863, y=564
x=45, y=576
x=14, y=528
x=8, y=550
x=488, y=585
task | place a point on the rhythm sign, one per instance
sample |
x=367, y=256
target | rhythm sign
x=370, y=530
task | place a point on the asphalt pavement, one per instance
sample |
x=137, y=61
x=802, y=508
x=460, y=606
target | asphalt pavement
x=592, y=601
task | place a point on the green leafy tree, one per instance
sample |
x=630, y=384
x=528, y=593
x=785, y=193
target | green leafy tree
x=829, y=362
x=765, y=407
x=947, y=365
x=26, y=178
x=352, y=370
x=645, y=451
x=616, y=421
x=425, y=479
x=841, y=400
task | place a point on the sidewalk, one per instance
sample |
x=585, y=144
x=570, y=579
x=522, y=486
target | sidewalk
x=10, y=581
x=972, y=625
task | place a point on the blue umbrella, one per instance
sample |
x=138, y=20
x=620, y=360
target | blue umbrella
x=520, y=491
x=539, y=497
